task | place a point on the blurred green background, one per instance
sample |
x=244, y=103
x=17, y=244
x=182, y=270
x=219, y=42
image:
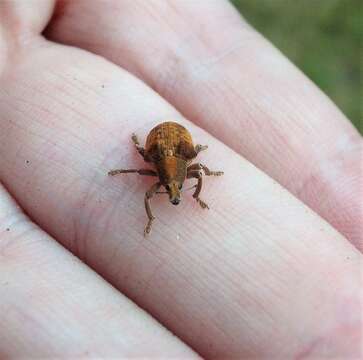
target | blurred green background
x=322, y=37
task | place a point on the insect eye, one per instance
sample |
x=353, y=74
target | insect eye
x=167, y=187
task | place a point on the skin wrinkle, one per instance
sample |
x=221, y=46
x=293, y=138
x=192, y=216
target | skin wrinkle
x=74, y=83
x=216, y=273
x=24, y=318
x=321, y=175
x=211, y=320
x=8, y=47
x=207, y=66
x=149, y=281
x=33, y=132
x=28, y=184
x=93, y=215
x=62, y=89
x=89, y=211
x=8, y=255
x=270, y=127
x=201, y=31
x=323, y=344
x=223, y=279
x=126, y=192
x=4, y=54
x=70, y=186
x=72, y=108
x=83, y=235
x=113, y=211
x=178, y=269
x=11, y=221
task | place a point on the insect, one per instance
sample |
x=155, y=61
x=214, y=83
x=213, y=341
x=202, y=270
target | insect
x=169, y=147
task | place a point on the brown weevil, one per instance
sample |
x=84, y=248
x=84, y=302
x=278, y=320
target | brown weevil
x=169, y=147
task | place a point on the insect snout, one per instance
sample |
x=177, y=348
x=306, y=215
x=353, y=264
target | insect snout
x=175, y=201
x=173, y=189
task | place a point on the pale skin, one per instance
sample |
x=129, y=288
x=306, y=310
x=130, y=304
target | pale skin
x=253, y=274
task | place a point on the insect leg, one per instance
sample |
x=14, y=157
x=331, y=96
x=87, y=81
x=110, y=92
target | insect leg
x=149, y=194
x=147, y=172
x=198, y=148
x=198, y=175
x=194, y=167
x=209, y=172
x=139, y=148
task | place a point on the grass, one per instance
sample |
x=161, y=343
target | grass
x=322, y=37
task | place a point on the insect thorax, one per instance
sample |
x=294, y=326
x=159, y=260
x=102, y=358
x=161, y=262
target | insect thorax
x=171, y=168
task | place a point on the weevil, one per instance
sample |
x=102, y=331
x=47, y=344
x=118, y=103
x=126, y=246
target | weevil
x=169, y=148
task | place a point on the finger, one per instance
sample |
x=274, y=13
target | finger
x=52, y=305
x=235, y=85
x=247, y=278
x=24, y=20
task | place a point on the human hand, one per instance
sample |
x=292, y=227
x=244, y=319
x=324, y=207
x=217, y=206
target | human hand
x=259, y=275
